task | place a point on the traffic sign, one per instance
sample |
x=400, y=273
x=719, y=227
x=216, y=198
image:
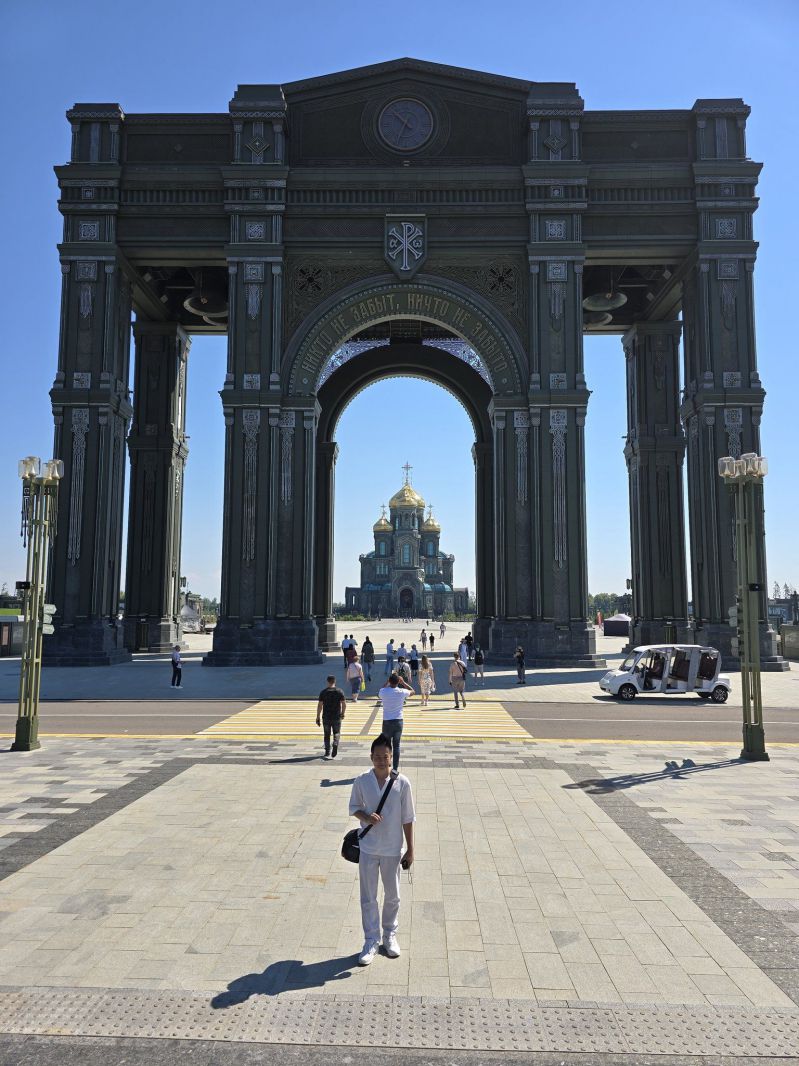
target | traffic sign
x=48, y=610
x=48, y=630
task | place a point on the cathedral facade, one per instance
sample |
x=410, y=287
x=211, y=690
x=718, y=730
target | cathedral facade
x=407, y=574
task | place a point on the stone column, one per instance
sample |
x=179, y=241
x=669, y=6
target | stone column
x=158, y=452
x=326, y=456
x=545, y=452
x=90, y=399
x=723, y=399
x=482, y=454
x=654, y=454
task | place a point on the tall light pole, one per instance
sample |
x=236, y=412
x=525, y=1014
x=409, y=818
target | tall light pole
x=742, y=475
x=39, y=510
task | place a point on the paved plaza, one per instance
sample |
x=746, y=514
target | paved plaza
x=181, y=897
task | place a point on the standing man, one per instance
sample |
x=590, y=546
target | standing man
x=177, y=667
x=442, y=630
x=344, y=648
x=331, y=708
x=390, y=657
x=393, y=696
x=368, y=657
x=381, y=847
x=423, y=639
x=479, y=664
x=469, y=641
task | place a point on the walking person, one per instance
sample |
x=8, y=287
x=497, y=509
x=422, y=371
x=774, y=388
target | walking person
x=463, y=650
x=457, y=678
x=177, y=667
x=368, y=658
x=432, y=642
x=355, y=677
x=479, y=663
x=469, y=641
x=393, y=697
x=519, y=657
x=427, y=680
x=381, y=847
x=423, y=639
x=389, y=657
x=442, y=630
x=403, y=670
x=330, y=711
x=402, y=652
x=413, y=661
x=344, y=647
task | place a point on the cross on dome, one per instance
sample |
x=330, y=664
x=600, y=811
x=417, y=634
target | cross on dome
x=407, y=468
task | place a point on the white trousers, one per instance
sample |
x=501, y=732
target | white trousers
x=388, y=867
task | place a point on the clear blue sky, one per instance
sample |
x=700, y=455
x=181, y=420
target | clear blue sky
x=190, y=57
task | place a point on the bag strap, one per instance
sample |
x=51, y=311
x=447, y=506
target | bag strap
x=392, y=778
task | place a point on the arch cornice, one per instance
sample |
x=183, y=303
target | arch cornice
x=379, y=299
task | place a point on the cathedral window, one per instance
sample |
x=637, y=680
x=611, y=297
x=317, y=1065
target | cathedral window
x=381, y=548
x=406, y=554
x=430, y=548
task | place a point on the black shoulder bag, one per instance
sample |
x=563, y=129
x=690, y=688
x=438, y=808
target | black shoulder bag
x=351, y=848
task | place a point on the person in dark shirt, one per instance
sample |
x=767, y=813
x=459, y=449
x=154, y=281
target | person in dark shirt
x=330, y=710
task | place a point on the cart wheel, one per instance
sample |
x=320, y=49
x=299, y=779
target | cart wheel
x=719, y=694
x=704, y=695
x=627, y=692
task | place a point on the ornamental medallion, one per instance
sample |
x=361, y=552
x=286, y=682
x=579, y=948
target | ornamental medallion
x=405, y=243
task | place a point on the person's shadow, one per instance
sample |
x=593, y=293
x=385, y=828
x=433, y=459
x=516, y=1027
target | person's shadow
x=289, y=974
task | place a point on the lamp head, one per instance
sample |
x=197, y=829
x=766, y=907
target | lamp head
x=53, y=470
x=29, y=466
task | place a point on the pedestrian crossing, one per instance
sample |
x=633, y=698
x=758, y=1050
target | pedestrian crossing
x=481, y=719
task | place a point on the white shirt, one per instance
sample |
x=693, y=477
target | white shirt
x=393, y=701
x=386, y=837
x=346, y=642
x=390, y=651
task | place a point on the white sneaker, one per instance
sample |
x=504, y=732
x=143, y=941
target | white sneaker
x=368, y=953
x=391, y=944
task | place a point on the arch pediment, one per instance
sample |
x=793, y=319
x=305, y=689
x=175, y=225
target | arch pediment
x=427, y=298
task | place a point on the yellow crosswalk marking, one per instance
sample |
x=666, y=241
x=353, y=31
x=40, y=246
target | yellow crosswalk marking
x=481, y=719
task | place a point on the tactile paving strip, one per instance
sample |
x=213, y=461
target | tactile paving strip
x=490, y=1025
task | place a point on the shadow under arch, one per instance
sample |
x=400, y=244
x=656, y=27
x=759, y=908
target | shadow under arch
x=427, y=298
x=404, y=359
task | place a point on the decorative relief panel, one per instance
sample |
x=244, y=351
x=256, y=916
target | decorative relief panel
x=558, y=422
x=88, y=230
x=287, y=423
x=81, y=380
x=499, y=280
x=309, y=282
x=80, y=427
x=726, y=229
x=405, y=244
x=251, y=381
x=251, y=424
x=255, y=231
x=728, y=268
x=557, y=381
x=728, y=297
x=521, y=425
x=557, y=270
x=555, y=229
x=731, y=379
x=733, y=424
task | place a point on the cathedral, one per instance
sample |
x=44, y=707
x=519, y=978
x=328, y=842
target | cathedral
x=407, y=574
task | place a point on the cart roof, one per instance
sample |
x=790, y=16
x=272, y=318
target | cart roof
x=675, y=647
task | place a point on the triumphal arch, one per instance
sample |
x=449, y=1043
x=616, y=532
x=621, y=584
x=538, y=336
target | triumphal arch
x=402, y=218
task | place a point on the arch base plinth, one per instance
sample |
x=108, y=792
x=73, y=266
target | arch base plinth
x=272, y=642
x=546, y=644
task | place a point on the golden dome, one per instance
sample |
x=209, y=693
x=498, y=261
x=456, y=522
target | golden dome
x=430, y=525
x=406, y=497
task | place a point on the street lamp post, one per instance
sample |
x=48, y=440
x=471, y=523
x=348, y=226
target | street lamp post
x=742, y=475
x=39, y=510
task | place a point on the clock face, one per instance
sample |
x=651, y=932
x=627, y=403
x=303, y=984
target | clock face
x=405, y=124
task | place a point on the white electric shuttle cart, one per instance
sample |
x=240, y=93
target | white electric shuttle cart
x=669, y=669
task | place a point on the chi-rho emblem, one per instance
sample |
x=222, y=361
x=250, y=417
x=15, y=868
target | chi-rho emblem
x=406, y=243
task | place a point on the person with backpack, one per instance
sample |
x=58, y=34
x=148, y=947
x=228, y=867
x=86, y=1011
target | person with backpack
x=479, y=663
x=380, y=846
x=457, y=678
x=330, y=710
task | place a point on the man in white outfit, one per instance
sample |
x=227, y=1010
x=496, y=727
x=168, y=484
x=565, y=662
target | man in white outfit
x=381, y=847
